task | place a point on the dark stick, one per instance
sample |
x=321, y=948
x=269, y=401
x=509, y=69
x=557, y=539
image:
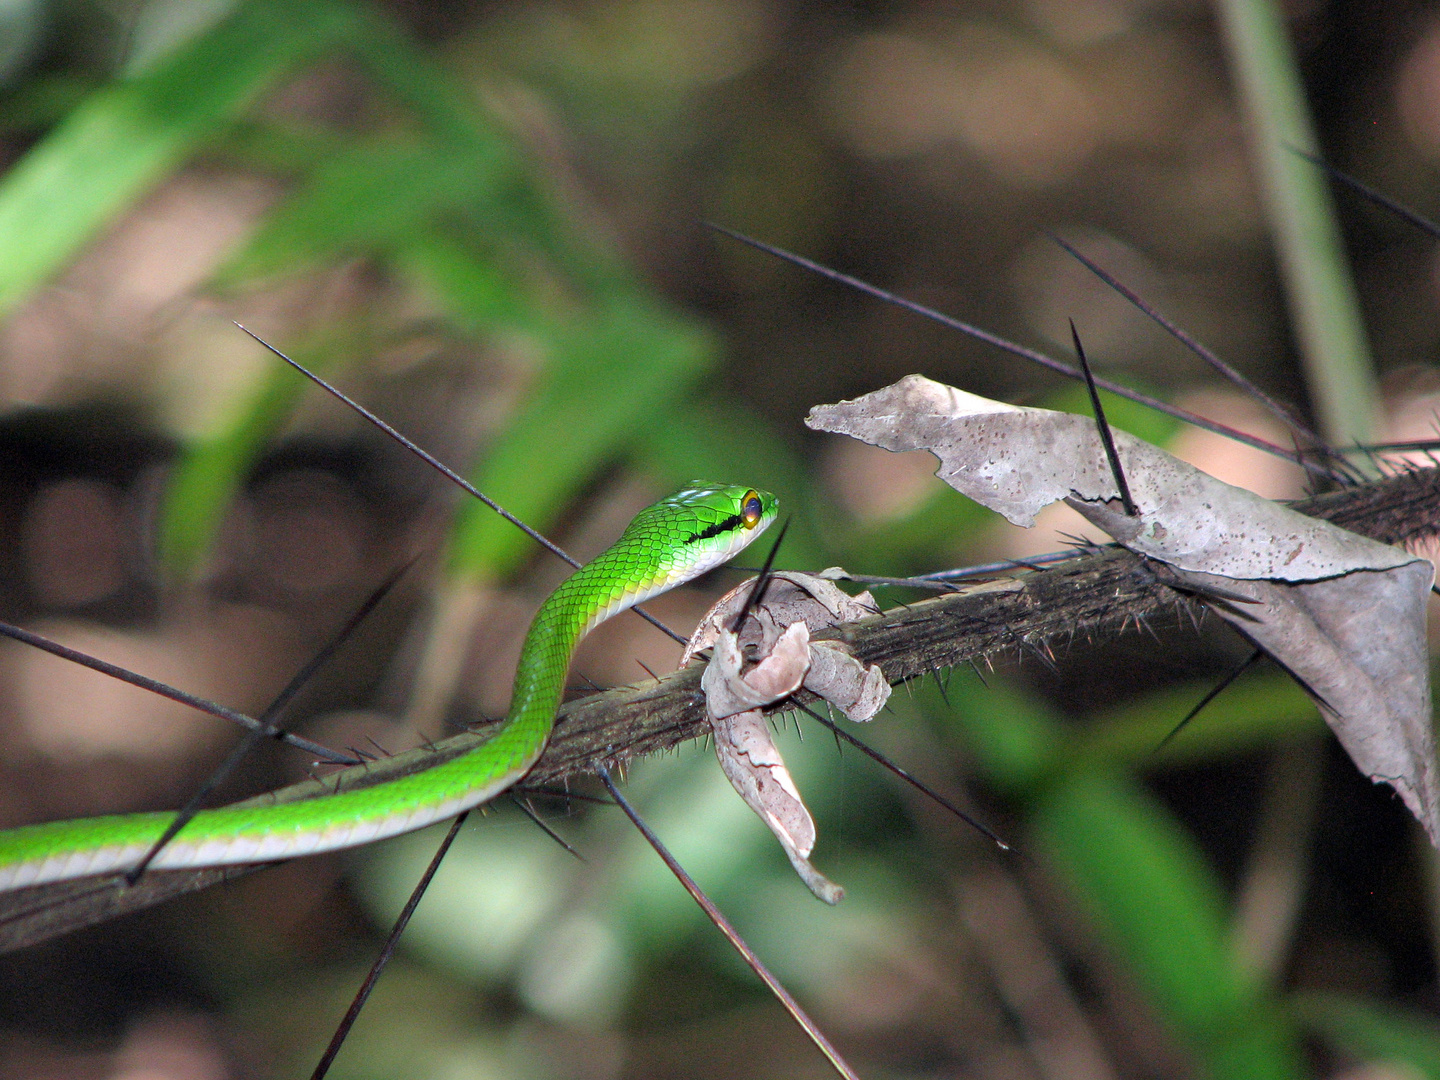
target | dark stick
x=1107, y=439
x=363, y=994
x=723, y=925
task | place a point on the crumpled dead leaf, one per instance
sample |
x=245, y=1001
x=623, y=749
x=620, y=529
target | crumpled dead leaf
x=1343, y=613
x=792, y=598
x=778, y=631
x=777, y=676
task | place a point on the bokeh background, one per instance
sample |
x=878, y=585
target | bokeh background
x=484, y=220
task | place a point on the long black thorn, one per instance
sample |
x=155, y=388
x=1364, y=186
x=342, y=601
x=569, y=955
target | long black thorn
x=1174, y=330
x=1301, y=682
x=918, y=784
x=1047, y=661
x=443, y=469
x=762, y=583
x=363, y=994
x=1210, y=593
x=1166, y=575
x=54, y=648
x=644, y=667
x=529, y=811
x=980, y=674
x=940, y=686
x=1365, y=191
x=1033, y=355
x=1215, y=691
x=269, y=728
x=1107, y=438
x=714, y=914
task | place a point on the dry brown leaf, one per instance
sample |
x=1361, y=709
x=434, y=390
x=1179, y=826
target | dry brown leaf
x=790, y=597
x=1344, y=613
x=778, y=631
x=747, y=753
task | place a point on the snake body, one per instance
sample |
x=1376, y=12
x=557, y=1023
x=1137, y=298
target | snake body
x=671, y=542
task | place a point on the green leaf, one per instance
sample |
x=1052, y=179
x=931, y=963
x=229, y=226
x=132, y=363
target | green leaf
x=479, y=294
x=945, y=523
x=1153, y=897
x=210, y=472
x=612, y=377
x=1252, y=712
x=124, y=139
x=1370, y=1032
x=372, y=198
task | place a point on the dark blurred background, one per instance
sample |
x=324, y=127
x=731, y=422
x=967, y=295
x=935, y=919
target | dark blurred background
x=485, y=220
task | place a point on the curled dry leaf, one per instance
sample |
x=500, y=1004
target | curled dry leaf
x=778, y=630
x=747, y=753
x=1343, y=613
x=775, y=677
x=792, y=597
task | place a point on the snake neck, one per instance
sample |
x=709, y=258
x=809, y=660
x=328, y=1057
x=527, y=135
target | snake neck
x=584, y=600
x=664, y=546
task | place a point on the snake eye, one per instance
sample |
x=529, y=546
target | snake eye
x=751, y=509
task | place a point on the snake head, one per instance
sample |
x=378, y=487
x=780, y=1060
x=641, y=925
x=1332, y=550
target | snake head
x=705, y=524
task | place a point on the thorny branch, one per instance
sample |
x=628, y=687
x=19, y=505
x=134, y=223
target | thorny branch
x=1092, y=595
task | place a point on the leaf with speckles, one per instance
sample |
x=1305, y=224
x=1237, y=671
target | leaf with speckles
x=1343, y=614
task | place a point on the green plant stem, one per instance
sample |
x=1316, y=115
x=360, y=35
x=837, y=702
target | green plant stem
x=1323, y=305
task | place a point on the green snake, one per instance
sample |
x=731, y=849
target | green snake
x=669, y=543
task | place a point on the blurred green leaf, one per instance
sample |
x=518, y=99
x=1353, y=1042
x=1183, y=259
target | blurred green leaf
x=1152, y=895
x=1252, y=712
x=479, y=294
x=442, y=201
x=363, y=199
x=613, y=376
x=941, y=526
x=1013, y=735
x=124, y=139
x=211, y=471
x=1371, y=1032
